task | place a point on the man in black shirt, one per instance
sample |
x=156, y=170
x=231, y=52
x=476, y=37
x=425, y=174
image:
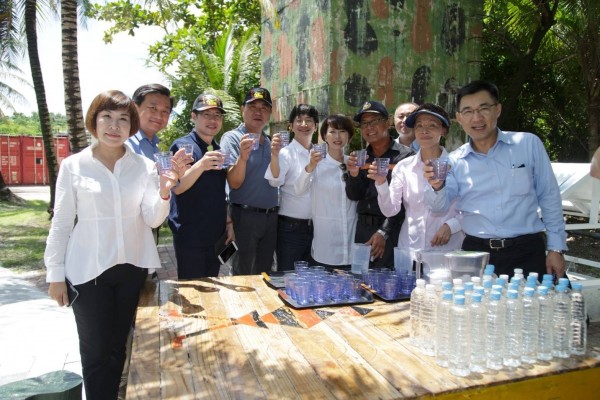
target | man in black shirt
x=373, y=227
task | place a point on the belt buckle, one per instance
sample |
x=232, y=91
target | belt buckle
x=496, y=244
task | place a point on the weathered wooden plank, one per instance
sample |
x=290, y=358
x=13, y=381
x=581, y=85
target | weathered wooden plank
x=232, y=337
x=144, y=368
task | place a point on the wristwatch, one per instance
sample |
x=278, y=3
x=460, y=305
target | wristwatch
x=557, y=251
x=382, y=233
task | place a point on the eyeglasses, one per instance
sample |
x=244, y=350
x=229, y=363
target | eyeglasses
x=344, y=171
x=485, y=111
x=372, y=123
x=210, y=116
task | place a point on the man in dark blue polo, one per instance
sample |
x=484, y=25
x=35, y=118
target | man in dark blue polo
x=198, y=216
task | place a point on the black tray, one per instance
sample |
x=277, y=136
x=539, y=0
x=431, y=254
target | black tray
x=400, y=297
x=365, y=298
x=275, y=280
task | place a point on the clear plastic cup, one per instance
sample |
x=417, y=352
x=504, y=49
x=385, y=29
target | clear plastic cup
x=301, y=267
x=402, y=259
x=321, y=148
x=390, y=288
x=302, y=289
x=256, y=138
x=226, y=159
x=164, y=161
x=189, y=148
x=361, y=255
x=361, y=157
x=383, y=166
x=285, y=138
x=321, y=291
x=441, y=166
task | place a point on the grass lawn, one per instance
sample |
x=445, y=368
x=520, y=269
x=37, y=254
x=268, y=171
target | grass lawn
x=23, y=232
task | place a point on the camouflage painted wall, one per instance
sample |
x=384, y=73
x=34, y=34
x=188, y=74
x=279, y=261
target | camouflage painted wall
x=335, y=54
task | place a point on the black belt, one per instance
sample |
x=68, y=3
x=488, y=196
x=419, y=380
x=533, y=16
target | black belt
x=256, y=209
x=371, y=220
x=306, y=222
x=498, y=244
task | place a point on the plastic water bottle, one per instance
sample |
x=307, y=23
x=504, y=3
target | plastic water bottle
x=469, y=286
x=529, y=332
x=578, y=326
x=442, y=329
x=477, y=317
x=532, y=281
x=489, y=270
x=487, y=286
x=428, y=319
x=536, y=276
x=513, y=323
x=561, y=322
x=458, y=347
x=416, y=298
x=494, y=328
x=546, y=316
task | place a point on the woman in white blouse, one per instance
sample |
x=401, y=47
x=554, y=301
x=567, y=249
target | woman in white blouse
x=422, y=229
x=333, y=214
x=100, y=242
x=294, y=225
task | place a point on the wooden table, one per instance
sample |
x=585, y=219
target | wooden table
x=233, y=337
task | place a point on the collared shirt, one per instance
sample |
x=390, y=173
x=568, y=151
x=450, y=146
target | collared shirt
x=421, y=224
x=140, y=144
x=198, y=215
x=292, y=161
x=333, y=214
x=500, y=192
x=115, y=212
x=255, y=191
x=362, y=189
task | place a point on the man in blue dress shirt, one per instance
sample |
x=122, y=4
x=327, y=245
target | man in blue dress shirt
x=154, y=104
x=502, y=179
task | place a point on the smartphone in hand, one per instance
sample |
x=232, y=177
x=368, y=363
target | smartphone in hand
x=72, y=293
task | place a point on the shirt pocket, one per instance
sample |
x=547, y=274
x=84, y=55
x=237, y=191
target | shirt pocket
x=520, y=181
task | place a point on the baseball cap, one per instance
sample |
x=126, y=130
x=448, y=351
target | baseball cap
x=371, y=107
x=207, y=101
x=258, y=93
x=412, y=118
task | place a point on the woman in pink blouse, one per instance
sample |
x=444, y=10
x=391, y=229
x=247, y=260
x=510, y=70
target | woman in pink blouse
x=422, y=229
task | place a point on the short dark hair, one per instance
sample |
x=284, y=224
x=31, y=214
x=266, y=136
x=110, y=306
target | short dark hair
x=112, y=100
x=304, y=109
x=477, y=86
x=337, y=121
x=140, y=93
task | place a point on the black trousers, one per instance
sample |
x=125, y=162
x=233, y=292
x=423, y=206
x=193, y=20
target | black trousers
x=529, y=254
x=104, y=313
x=194, y=262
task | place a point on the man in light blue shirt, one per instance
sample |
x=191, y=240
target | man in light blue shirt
x=154, y=104
x=502, y=179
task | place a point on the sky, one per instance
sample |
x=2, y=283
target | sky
x=119, y=65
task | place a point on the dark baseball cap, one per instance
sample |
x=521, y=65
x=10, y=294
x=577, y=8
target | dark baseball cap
x=412, y=118
x=371, y=107
x=258, y=93
x=207, y=101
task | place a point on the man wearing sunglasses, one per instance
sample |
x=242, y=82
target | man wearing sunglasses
x=373, y=227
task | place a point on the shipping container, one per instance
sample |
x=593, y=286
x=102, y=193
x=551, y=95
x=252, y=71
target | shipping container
x=23, y=160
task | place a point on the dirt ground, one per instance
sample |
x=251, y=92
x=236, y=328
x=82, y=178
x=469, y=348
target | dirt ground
x=584, y=245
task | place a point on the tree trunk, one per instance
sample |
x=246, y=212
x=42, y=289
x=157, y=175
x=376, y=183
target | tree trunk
x=40, y=95
x=7, y=195
x=70, y=63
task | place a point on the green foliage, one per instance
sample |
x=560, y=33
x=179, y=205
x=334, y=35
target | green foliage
x=21, y=124
x=552, y=103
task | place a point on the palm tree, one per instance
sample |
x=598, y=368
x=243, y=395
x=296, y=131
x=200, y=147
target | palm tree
x=10, y=51
x=30, y=18
x=73, y=108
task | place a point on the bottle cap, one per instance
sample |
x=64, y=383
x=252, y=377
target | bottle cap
x=446, y=285
x=529, y=291
x=459, y=300
x=542, y=290
x=476, y=298
x=496, y=295
x=518, y=271
x=576, y=286
x=446, y=295
x=459, y=291
x=469, y=286
x=512, y=294
x=489, y=269
x=480, y=290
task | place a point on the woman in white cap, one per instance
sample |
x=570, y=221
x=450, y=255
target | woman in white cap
x=422, y=228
